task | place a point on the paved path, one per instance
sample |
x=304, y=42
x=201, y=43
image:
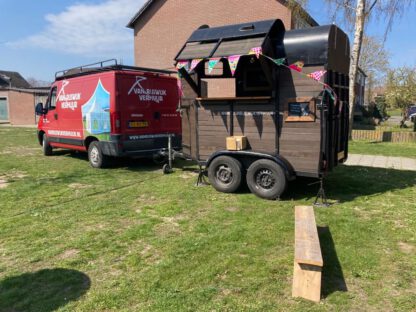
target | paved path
x=399, y=163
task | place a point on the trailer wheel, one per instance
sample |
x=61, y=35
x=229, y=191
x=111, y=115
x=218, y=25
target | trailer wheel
x=46, y=148
x=95, y=155
x=266, y=179
x=224, y=174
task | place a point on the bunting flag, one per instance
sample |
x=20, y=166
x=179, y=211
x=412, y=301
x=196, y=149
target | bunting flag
x=182, y=64
x=298, y=66
x=331, y=92
x=211, y=64
x=179, y=85
x=280, y=61
x=233, y=61
x=257, y=51
x=317, y=75
x=195, y=63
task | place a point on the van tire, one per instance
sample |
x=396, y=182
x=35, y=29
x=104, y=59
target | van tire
x=224, y=174
x=266, y=179
x=46, y=148
x=95, y=156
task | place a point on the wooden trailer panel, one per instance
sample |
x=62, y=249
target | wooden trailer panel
x=300, y=141
x=214, y=125
x=257, y=122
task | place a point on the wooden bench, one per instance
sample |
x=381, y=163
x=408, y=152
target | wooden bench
x=308, y=257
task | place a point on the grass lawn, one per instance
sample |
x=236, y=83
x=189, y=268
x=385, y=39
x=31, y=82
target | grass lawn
x=128, y=238
x=383, y=148
x=395, y=112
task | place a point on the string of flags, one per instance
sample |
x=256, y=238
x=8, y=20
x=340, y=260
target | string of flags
x=233, y=61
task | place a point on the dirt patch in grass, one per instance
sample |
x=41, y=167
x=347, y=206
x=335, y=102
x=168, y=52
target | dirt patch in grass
x=22, y=151
x=232, y=209
x=78, y=186
x=68, y=254
x=188, y=175
x=406, y=248
x=3, y=183
x=169, y=226
x=11, y=176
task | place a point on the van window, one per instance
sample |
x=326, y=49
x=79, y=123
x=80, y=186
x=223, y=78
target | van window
x=52, y=99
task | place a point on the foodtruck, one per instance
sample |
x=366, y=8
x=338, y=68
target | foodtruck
x=112, y=110
x=263, y=105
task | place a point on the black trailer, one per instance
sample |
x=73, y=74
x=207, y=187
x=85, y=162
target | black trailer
x=292, y=124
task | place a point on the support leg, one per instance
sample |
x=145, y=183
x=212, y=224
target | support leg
x=321, y=200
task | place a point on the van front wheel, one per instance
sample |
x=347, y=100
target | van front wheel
x=96, y=157
x=46, y=148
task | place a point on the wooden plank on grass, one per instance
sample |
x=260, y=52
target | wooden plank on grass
x=307, y=248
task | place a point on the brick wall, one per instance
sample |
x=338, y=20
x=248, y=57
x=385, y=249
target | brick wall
x=160, y=33
x=21, y=108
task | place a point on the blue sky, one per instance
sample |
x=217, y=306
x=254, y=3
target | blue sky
x=38, y=38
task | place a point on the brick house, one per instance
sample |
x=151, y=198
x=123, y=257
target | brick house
x=161, y=26
x=18, y=99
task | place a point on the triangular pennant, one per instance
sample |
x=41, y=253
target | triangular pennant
x=257, y=51
x=179, y=85
x=195, y=63
x=211, y=64
x=182, y=64
x=233, y=61
x=298, y=66
x=331, y=92
x=317, y=75
x=279, y=61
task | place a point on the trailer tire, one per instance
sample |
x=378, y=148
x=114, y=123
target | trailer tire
x=46, y=148
x=266, y=179
x=224, y=174
x=96, y=157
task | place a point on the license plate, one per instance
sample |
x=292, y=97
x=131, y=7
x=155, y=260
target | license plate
x=138, y=124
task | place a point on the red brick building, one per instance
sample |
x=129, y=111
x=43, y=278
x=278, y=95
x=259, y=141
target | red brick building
x=162, y=26
x=18, y=99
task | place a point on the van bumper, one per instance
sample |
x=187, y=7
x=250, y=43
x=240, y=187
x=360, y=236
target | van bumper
x=139, y=145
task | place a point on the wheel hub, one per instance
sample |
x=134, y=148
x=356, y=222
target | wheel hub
x=224, y=174
x=265, y=179
x=94, y=155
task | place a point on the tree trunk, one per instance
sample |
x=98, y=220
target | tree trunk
x=355, y=57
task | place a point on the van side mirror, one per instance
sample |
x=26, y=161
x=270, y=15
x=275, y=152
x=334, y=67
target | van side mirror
x=39, y=110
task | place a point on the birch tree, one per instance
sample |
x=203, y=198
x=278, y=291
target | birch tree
x=359, y=13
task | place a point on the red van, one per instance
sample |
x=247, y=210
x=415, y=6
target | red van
x=110, y=111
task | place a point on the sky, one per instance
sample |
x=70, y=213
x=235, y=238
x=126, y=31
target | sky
x=39, y=38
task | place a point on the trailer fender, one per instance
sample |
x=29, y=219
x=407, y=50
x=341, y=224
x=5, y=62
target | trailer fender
x=248, y=157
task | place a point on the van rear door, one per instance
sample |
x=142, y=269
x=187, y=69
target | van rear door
x=147, y=104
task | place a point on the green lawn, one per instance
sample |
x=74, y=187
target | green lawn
x=395, y=112
x=128, y=238
x=383, y=148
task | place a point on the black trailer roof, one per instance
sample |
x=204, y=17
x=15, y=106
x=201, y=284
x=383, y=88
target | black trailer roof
x=316, y=46
x=323, y=45
x=229, y=40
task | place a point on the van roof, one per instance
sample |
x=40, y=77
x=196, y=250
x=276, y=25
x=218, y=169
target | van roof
x=101, y=67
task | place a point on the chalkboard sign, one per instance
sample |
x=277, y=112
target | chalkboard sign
x=299, y=109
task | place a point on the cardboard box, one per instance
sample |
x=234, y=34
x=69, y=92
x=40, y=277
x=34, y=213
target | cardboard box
x=236, y=143
x=218, y=88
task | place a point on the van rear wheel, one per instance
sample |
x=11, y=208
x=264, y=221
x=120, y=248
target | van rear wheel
x=46, y=148
x=96, y=157
x=266, y=179
x=224, y=174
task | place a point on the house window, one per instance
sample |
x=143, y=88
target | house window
x=4, y=110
